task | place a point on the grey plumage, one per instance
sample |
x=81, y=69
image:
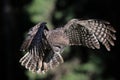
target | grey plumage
x=43, y=46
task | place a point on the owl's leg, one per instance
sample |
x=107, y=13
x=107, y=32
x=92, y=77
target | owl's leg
x=57, y=58
x=58, y=49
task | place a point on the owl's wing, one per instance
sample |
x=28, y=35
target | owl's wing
x=29, y=37
x=33, y=47
x=39, y=53
x=90, y=32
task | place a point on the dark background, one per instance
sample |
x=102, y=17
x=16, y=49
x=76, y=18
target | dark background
x=13, y=18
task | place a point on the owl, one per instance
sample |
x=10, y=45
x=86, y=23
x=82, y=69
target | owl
x=43, y=47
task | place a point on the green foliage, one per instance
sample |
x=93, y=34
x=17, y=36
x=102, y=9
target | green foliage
x=40, y=10
x=75, y=76
x=33, y=76
x=84, y=71
x=66, y=13
x=93, y=65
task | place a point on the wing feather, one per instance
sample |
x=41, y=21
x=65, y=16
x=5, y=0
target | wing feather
x=29, y=37
x=34, y=46
x=40, y=56
x=90, y=32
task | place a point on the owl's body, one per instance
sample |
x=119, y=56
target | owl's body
x=43, y=47
x=57, y=37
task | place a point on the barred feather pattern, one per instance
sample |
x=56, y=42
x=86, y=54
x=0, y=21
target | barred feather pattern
x=40, y=56
x=102, y=30
x=43, y=47
x=31, y=61
x=90, y=32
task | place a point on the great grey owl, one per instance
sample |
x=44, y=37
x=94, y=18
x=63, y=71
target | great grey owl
x=43, y=46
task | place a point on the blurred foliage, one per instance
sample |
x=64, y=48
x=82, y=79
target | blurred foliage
x=40, y=10
x=72, y=69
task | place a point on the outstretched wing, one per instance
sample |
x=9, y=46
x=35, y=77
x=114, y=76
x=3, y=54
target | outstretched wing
x=90, y=32
x=37, y=49
x=39, y=56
